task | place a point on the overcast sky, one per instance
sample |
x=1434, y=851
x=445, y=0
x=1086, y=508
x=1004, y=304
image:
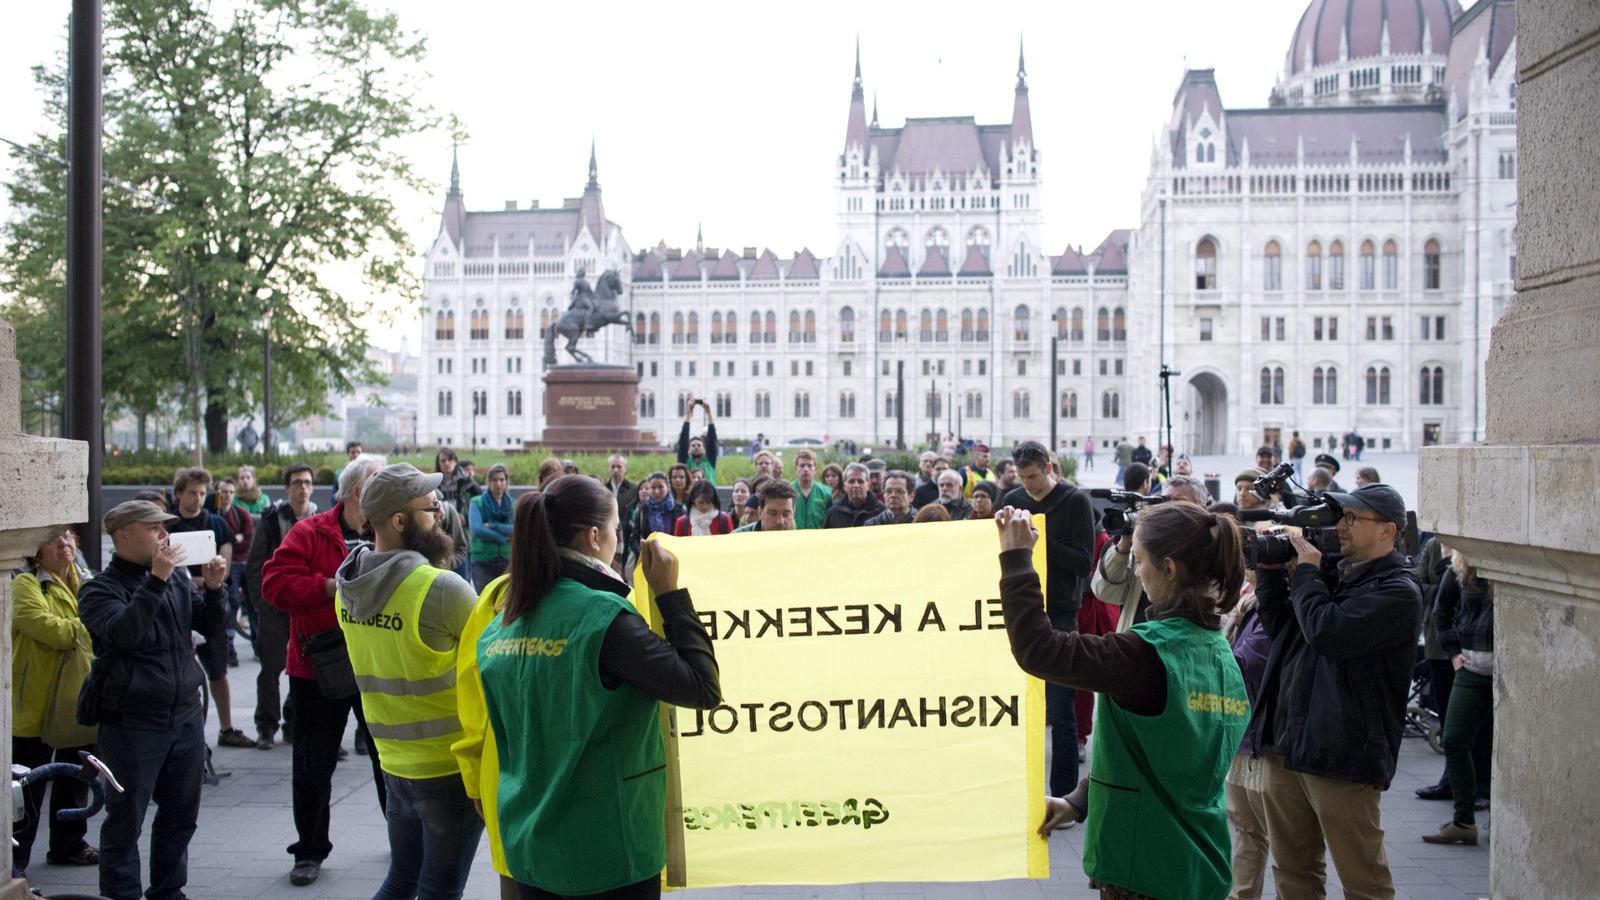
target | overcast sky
x=732, y=114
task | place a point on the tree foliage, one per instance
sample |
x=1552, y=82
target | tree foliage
x=254, y=154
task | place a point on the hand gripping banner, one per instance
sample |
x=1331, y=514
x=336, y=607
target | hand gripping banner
x=874, y=725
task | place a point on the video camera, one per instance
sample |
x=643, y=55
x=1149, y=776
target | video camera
x=1316, y=515
x=1122, y=514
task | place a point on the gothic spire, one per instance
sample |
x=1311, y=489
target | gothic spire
x=1021, y=115
x=1022, y=67
x=455, y=171
x=855, y=134
x=874, y=109
x=594, y=170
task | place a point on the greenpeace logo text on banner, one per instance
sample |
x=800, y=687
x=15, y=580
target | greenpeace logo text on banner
x=525, y=646
x=786, y=814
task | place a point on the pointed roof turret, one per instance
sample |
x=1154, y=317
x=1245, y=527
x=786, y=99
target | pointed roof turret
x=874, y=109
x=855, y=133
x=592, y=211
x=455, y=209
x=594, y=170
x=1021, y=115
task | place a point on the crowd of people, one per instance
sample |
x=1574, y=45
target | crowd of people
x=454, y=622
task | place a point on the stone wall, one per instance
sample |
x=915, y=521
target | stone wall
x=1522, y=505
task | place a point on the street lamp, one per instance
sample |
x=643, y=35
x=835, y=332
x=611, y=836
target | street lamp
x=1055, y=341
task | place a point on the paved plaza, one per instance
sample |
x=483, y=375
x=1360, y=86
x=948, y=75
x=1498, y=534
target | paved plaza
x=245, y=824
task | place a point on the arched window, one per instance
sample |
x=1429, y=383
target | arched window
x=974, y=405
x=885, y=326
x=1019, y=321
x=655, y=328
x=730, y=328
x=1391, y=266
x=1102, y=324
x=896, y=238
x=1272, y=268
x=1060, y=318
x=677, y=328
x=1324, y=386
x=802, y=405
x=647, y=405
x=513, y=403
x=694, y=327
x=1369, y=267
x=1111, y=405
x=441, y=327
x=763, y=405
x=1019, y=405
x=847, y=325
x=1432, y=386
x=772, y=327
x=445, y=405
x=810, y=333
x=1336, y=266
x=794, y=326
x=1069, y=404
x=925, y=326
x=641, y=329
x=888, y=406
x=983, y=324
x=935, y=405
x=1271, y=385
x=513, y=324
x=716, y=327
x=755, y=327
x=901, y=330
x=941, y=326
x=937, y=238
x=1430, y=265
x=1378, y=385
x=1119, y=327
x=546, y=319
x=847, y=405
x=1314, y=266
x=1205, y=265
x=966, y=325
x=1077, y=323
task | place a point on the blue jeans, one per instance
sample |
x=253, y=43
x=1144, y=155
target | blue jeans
x=487, y=570
x=1061, y=714
x=433, y=836
x=164, y=766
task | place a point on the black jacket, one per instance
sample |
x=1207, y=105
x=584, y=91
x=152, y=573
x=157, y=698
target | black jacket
x=889, y=518
x=1333, y=698
x=1069, y=544
x=1464, y=614
x=1142, y=455
x=845, y=515
x=925, y=494
x=145, y=674
x=459, y=489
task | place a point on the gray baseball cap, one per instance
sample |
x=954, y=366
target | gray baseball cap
x=1381, y=499
x=131, y=511
x=392, y=488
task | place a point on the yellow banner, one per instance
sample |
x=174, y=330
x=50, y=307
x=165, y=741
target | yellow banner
x=874, y=725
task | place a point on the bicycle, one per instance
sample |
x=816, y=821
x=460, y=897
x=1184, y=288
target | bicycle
x=91, y=772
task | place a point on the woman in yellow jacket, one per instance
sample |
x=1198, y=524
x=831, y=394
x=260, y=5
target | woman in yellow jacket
x=475, y=751
x=50, y=657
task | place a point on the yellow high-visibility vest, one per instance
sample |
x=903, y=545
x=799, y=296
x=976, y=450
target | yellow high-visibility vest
x=408, y=689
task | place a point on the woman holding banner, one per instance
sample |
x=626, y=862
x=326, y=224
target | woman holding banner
x=572, y=677
x=1172, y=703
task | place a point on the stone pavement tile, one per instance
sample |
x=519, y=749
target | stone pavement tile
x=1440, y=892
x=1405, y=876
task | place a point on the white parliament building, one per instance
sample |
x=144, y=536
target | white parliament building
x=1331, y=261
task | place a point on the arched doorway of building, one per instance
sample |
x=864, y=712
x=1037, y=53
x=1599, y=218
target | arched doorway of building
x=1205, y=416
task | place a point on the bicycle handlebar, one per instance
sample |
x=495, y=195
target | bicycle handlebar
x=91, y=772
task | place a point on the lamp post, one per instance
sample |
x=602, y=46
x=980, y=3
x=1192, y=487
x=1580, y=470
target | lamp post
x=1055, y=342
x=266, y=378
x=84, y=418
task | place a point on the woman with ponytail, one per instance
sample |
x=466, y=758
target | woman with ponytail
x=572, y=678
x=1172, y=707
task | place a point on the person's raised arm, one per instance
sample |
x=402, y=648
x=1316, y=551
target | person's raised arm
x=683, y=436
x=713, y=448
x=121, y=623
x=682, y=669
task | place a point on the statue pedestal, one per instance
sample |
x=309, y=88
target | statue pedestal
x=592, y=407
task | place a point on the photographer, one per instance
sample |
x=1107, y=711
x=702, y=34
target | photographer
x=1116, y=582
x=1172, y=708
x=699, y=452
x=1332, y=701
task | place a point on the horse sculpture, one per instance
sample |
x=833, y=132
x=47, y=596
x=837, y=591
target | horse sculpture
x=588, y=313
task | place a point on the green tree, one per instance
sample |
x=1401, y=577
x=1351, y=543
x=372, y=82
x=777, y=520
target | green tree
x=254, y=153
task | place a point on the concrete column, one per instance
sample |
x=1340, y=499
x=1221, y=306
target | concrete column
x=43, y=486
x=1522, y=504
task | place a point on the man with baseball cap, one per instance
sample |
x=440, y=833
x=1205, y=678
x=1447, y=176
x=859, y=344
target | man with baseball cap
x=402, y=615
x=144, y=692
x=1329, y=715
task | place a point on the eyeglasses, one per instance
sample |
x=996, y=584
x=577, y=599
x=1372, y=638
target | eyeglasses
x=301, y=482
x=435, y=509
x=1351, y=519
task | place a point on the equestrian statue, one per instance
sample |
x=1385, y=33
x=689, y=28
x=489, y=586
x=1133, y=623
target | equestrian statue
x=590, y=310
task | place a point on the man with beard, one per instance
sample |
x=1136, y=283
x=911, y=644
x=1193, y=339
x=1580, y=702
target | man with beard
x=402, y=617
x=858, y=505
x=950, y=496
x=299, y=580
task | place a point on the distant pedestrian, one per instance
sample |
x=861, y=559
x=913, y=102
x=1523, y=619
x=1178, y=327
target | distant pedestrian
x=1088, y=454
x=1297, y=454
x=489, y=523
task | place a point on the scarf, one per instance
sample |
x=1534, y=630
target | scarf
x=700, y=522
x=659, y=514
x=497, y=513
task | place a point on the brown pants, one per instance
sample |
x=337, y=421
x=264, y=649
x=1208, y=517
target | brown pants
x=1308, y=815
x=1247, y=810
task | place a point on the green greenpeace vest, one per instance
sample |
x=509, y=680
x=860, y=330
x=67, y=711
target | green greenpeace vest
x=1157, y=823
x=408, y=689
x=582, y=769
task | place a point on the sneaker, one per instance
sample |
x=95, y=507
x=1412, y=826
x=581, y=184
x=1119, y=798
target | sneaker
x=264, y=742
x=233, y=737
x=1454, y=833
x=361, y=746
x=343, y=754
x=305, y=871
x=83, y=856
x=1434, y=792
x=233, y=658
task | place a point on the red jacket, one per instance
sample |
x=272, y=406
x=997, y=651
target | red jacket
x=720, y=524
x=293, y=580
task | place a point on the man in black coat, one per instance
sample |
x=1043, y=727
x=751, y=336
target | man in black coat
x=1069, y=560
x=1331, y=708
x=144, y=692
x=272, y=624
x=858, y=504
